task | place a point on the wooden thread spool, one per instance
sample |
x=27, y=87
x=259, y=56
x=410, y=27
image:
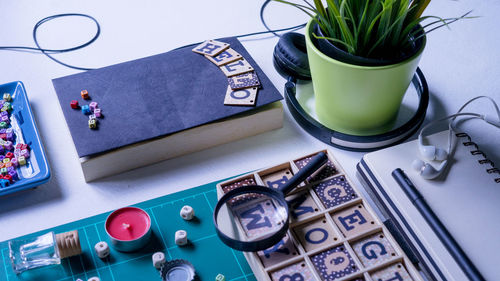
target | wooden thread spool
x=68, y=244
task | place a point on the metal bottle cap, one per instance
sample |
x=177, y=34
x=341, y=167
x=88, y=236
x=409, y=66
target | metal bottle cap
x=177, y=270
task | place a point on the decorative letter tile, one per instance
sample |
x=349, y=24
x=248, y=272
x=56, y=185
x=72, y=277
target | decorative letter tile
x=211, y=48
x=245, y=80
x=246, y=96
x=284, y=250
x=295, y=272
x=225, y=57
x=396, y=272
x=301, y=206
x=235, y=68
x=374, y=250
x=327, y=171
x=334, y=263
x=353, y=220
x=315, y=234
x=334, y=191
x=277, y=179
x=243, y=182
x=258, y=218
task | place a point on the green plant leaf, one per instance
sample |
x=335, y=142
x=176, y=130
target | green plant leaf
x=371, y=27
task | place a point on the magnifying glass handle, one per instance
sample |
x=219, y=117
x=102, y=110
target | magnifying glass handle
x=316, y=162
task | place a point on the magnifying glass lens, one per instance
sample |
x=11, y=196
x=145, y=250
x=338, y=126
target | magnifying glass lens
x=252, y=216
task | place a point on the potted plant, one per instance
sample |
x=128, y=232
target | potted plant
x=363, y=55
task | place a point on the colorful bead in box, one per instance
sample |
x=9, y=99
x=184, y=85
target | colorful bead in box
x=10, y=156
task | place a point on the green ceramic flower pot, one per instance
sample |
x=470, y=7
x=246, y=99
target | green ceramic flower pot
x=354, y=99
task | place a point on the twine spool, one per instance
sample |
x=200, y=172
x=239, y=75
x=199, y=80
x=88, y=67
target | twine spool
x=68, y=244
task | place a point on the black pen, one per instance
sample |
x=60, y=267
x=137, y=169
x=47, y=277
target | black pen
x=442, y=233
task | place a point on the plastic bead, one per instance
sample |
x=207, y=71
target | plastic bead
x=94, y=279
x=13, y=174
x=4, y=183
x=102, y=249
x=21, y=160
x=3, y=124
x=74, y=104
x=187, y=212
x=85, y=109
x=8, y=177
x=85, y=94
x=220, y=277
x=158, y=259
x=8, y=145
x=93, y=124
x=97, y=113
x=93, y=106
x=25, y=153
x=7, y=97
x=181, y=237
x=6, y=107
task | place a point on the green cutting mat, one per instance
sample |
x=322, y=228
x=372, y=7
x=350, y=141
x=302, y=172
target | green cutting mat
x=208, y=255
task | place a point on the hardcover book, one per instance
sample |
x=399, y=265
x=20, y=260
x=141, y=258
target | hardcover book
x=164, y=96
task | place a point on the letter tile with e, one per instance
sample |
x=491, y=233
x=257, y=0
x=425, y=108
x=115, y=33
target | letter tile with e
x=354, y=220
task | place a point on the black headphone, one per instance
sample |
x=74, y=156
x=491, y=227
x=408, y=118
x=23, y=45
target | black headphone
x=290, y=60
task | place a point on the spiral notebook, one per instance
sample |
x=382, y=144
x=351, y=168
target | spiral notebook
x=465, y=198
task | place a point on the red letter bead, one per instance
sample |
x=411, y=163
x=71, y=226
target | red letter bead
x=74, y=104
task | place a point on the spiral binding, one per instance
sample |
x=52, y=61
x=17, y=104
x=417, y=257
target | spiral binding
x=476, y=151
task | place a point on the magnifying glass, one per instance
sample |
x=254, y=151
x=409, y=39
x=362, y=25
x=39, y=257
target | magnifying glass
x=254, y=218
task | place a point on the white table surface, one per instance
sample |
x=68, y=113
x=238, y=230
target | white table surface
x=459, y=63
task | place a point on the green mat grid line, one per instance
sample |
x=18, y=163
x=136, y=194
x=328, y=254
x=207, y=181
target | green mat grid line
x=161, y=234
x=232, y=251
x=5, y=264
x=106, y=260
x=93, y=258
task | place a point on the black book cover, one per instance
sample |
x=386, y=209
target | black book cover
x=152, y=97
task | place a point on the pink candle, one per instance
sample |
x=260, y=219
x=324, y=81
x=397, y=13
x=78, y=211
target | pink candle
x=128, y=228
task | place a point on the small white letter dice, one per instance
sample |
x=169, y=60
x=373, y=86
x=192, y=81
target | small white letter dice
x=158, y=259
x=102, y=249
x=187, y=212
x=181, y=237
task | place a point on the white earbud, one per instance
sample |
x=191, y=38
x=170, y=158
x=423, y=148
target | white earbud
x=426, y=170
x=431, y=152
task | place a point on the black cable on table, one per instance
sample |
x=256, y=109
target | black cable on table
x=50, y=52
